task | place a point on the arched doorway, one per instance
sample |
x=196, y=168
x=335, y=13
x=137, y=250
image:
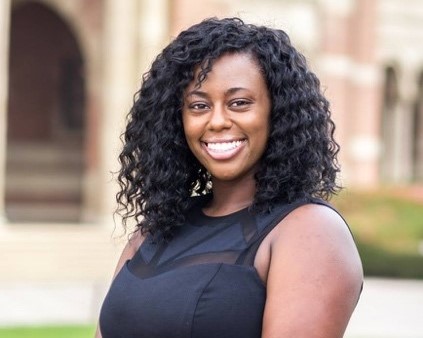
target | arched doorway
x=45, y=118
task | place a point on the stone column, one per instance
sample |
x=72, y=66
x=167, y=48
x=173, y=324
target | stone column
x=353, y=85
x=4, y=70
x=119, y=84
x=334, y=63
x=404, y=124
x=366, y=100
x=153, y=31
x=418, y=106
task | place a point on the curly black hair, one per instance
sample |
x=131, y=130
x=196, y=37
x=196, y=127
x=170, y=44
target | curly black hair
x=158, y=171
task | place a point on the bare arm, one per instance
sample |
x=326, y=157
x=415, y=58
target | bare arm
x=128, y=252
x=314, y=277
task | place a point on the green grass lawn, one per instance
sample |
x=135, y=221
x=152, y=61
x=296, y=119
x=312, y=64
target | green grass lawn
x=389, y=231
x=48, y=332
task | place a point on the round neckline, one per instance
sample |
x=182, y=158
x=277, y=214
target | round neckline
x=212, y=220
x=222, y=217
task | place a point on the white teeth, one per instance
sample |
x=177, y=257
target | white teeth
x=224, y=146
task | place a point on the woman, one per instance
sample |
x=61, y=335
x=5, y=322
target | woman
x=228, y=159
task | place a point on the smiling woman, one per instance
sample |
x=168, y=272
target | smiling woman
x=226, y=173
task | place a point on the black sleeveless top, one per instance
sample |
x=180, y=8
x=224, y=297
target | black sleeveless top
x=201, y=284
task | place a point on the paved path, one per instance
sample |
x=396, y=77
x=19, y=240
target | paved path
x=388, y=309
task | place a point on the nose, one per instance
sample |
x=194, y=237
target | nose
x=219, y=119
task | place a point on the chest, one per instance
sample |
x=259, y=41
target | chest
x=208, y=300
x=203, y=283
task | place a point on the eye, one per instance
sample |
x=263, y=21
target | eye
x=198, y=106
x=239, y=103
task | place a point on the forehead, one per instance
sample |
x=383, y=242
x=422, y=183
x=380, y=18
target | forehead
x=229, y=68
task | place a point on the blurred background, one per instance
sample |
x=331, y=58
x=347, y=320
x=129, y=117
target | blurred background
x=69, y=70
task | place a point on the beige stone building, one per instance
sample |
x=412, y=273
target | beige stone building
x=69, y=70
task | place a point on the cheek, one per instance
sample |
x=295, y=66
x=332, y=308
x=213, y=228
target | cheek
x=189, y=132
x=185, y=125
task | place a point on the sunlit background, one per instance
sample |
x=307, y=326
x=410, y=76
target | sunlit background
x=68, y=73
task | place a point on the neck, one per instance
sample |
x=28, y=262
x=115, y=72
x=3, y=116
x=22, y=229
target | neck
x=231, y=196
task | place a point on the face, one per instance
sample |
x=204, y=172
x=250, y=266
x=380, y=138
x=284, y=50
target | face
x=226, y=119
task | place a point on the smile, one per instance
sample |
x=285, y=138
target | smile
x=223, y=146
x=223, y=150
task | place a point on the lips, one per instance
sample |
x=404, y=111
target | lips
x=223, y=150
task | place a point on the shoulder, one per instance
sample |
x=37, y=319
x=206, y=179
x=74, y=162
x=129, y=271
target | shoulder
x=312, y=218
x=319, y=234
x=315, y=270
x=134, y=242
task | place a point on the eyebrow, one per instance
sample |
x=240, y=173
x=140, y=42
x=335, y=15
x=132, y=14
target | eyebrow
x=200, y=93
x=234, y=90
x=197, y=93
